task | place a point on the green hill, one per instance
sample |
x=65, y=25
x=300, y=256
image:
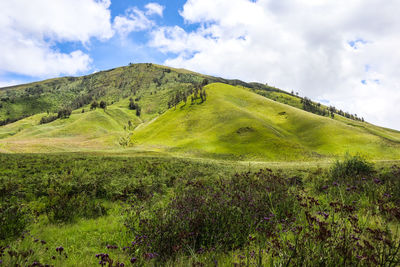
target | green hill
x=149, y=84
x=236, y=123
x=247, y=121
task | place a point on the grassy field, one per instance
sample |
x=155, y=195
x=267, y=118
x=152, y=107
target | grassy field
x=165, y=211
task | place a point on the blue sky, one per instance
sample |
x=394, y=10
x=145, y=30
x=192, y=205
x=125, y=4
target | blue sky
x=340, y=52
x=116, y=52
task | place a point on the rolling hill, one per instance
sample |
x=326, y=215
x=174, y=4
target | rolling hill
x=238, y=120
x=236, y=123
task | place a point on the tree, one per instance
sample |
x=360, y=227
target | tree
x=48, y=119
x=138, y=111
x=103, y=105
x=94, y=105
x=204, y=83
x=64, y=113
x=185, y=98
x=132, y=105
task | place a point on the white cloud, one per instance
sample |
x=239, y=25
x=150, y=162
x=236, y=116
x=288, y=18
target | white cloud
x=29, y=31
x=154, y=9
x=323, y=49
x=9, y=83
x=134, y=20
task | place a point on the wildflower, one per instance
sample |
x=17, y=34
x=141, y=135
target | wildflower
x=377, y=181
x=133, y=260
x=59, y=249
x=325, y=187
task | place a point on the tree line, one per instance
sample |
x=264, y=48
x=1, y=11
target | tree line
x=317, y=108
x=196, y=92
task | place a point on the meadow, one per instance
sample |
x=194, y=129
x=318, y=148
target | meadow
x=88, y=209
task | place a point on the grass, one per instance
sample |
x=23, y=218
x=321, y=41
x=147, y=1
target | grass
x=133, y=188
x=236, y=123
x=92, y=130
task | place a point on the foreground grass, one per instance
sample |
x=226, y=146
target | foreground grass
x=81, y=240
x=90, y=204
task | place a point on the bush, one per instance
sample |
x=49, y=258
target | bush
x=94, y=105
x=64, y=113
x=48, y=119
x=103, y=105
x=351, y=167
x=220, y=215
x=68, y=199
x=13, y=218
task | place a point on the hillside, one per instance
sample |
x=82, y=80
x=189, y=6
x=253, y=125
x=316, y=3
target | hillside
x=248, y=121
x=236, y=123
x=149, y=84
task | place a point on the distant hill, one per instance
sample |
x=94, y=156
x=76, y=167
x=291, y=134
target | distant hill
x=235, y=120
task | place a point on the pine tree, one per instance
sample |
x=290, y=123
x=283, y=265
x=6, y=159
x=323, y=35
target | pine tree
x=103, y=105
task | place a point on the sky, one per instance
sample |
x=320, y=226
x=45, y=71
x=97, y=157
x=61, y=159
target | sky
x=344, y=53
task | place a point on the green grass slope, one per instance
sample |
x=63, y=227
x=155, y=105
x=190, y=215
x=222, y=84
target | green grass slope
x=151, y=85
x=93, y=130
x=236, y=123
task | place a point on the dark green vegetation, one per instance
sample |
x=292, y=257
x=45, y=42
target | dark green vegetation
x=83, y=210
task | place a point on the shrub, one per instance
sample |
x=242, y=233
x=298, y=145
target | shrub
x=218, y=215
x=351, y=167
x=94, y=105
x=64, y=113
x=48, y=119
x=103, y=105
x=13, y=218
x=68, y=199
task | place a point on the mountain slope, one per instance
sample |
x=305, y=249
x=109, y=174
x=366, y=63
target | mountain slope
x=152, y=85
x=90, y=131
x=236, y=123
x=248, y=121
